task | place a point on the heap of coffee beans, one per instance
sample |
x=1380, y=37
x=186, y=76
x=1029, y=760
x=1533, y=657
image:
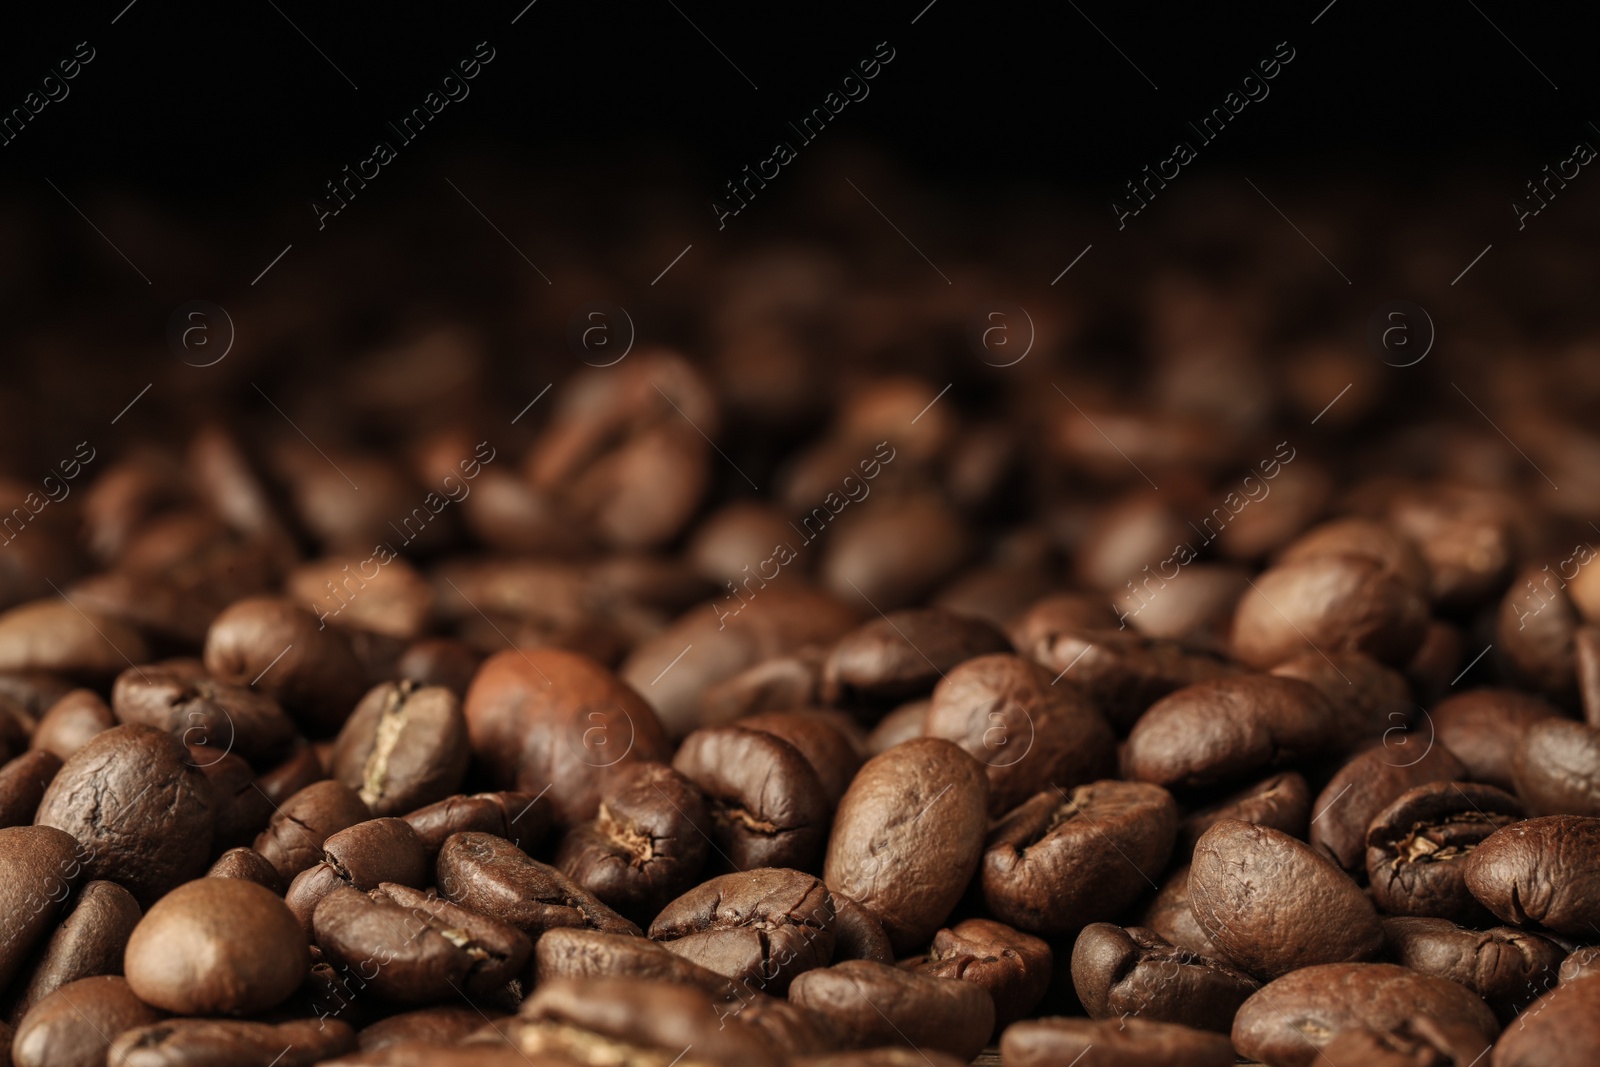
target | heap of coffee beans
x=716, y=711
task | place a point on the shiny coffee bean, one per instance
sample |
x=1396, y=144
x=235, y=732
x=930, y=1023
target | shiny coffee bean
x=774, y=684
x=1013, y=966
x=90, y=941
x=23, y=782
x=71, y=721
x=903, y=654
x=1542, y=871
x=573, y=952
x=1364, y=786
x=1417, y=848
x=248, y=864
x=858, y=934
x=1560, y=1029
x=1508, y=968
x=44, y=864
x=292, y=841
x=765, y=800
x=56, y=636
x=493, y=877
x=1136, y=971
x=1482, y=729
x=365, y=856
x=521, y=818
x=232, y=1043
x=1282, y=802
x=1370, y=701
x=74, y=1026
x=869, y=1004
x=319, y=677
x=404, y=747
x=1556, y=768
x=1337, y=602
x=831, y=741
x=180, y=697
x=1169, y=915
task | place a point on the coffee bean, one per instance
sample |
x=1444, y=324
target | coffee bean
x=521, y=818
x=178, y=696
x=870, y=1004
x=903, y=654
x=1482, y=729
x=220, y=946
x=1282, y=802
x=880, y=1057
x=1112, y=1043
x=1334, y=603
x=232, y=1043
x=1556, y=768
x=1063, y=860
x=54, y=635
x=71, y=722
x=23, y=782
x=1136, y=971
x=446, y=1025
x=89, y=942
x=1290, y=1019
x=318, y=678
x=404, y=747
x=901, y=724
x=292, y=775
x=908, y=835
x=551, y=719
x=365, y=856
x=1466, y=536
x=493, y=877
x=74, y=1025
x=573, y=952
x=396, y=601
x=858, y=934
x=1226, y=730
x=774, y=684
x=645, y=847
x=894, y=551
x=248, y=864
x=440, y=661
x=1417, y=848
x=1560, y=1029
x=1544, y=871
x=760, y=928
x=44, y=866
x=1508, y=968
x=143, y=812
x=1169, y=915
x=412, y=948
x=1535, y=630
x=1028, y=733
x=1370, y=701
x=242, y=810
x=292, y=841
x=1272, y=905
x=1014, y=967
x=1366, y=538
x=1416, y=1041
x=1382, y=774
x=766, y=802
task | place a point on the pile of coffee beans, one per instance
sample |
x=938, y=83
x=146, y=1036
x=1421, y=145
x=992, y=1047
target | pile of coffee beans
x=826, y=692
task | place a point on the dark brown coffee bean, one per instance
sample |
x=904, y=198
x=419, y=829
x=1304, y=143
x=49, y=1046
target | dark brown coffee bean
x=1556, y=768
x=1363, y=787
x=89, y=942
x=551, y=719
x=1466, y=536
x=1169, y=915
x=1226, y=730
x=143, y=812
x=775, y=684
x=1542, y=871
x=831, y=741
x=1272, y=905
x=23, y=782
x=75, y=1025
x=1370, y=701
x=571, y=952
x=493, y=877
x=293, y=840
x=1195, y=609
x=241, y=809
x=1508, y=968
x=365, y=856
x=766, y=802
x=1028, y=733
x=1334, y=603
x=760, y=928
x=646, y=846
x=1112, y=1043
x=1560, y=1029
x=1292, y=1018
x=1063, y=860
x=232, y=1043
x=903, y=654
x=181, y=698
x=55, y=635
x=1362, y=537
x=403, y=747
x=440, y=661
x=1136, y=971
x=44, y=864
x=445, y=1025
x=412, y=948
x=908, y=836
x=396, y=601
x=1282, y=802
x=1417, y=1042
x=317, y=680
x=893, y=553
x=732, y=541
x=858, y=934
x=1535, y=630
x=1437, y=663
x=869, y=1004
x=1417, y=848
x=1482, y=728
x=71, y=722
x=1014, y=967
x=248, y=864
x=217, y=946
x=521, y=818
x=292, y=775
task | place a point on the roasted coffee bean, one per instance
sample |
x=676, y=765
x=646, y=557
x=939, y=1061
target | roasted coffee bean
x=1508, y=968
x=23, y=782
x=1362, y=537
x=1294, y=1017
x=248, y=864
x=404, y=747
x=1136, y=971
x=1535, y=630
x=1417, y=848
x=292, y=775
x=731, y=541
x=89, y=942
x=1112, y=1043
x=440, y=661
x=1556, y=768
x=493, y=877
x=412, y=948
x=1417, y=1042
x=1282, y=802
x=364, y=856
x=521, y=818
x=646, y=845
x=858, y=934
x=908, y=836
x=319, y=677
x=760, y=928
x=1013, y=966
x=1195, y=609
x=71, y=722
x=1063, y=860
x=34, y=693
x=293, y=840
x=1370, y=701
x=1365, y=786
x=1224, y=731
x=551, y=719
x=1482, y=729
x=44, y=864
x=445, y=1025
x=242, y=810
x=1560, y=1029
x=397, y=601
x=1028, y=734
x=232, y=1043
x=219, y=946
x=1169, y=915
x=178, y=696
x=1542, y=871
x=74, y=1026
x=831, y=741
x=775, y=684
x=870, y=1004
x=903, y=654
x=766, y=802
x=901, y=724
x=1272, y=905
x=570, y=952
x=895, y=552
x=1335, y=602
x=55, y=635
x=142, y=810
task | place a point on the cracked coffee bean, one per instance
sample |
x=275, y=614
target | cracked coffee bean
x=493, y=877
x=1013, y=966
x=403, y=747
x=1508, y=968
x=292, y=841
x=1417, y=848
x=1120, y=972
